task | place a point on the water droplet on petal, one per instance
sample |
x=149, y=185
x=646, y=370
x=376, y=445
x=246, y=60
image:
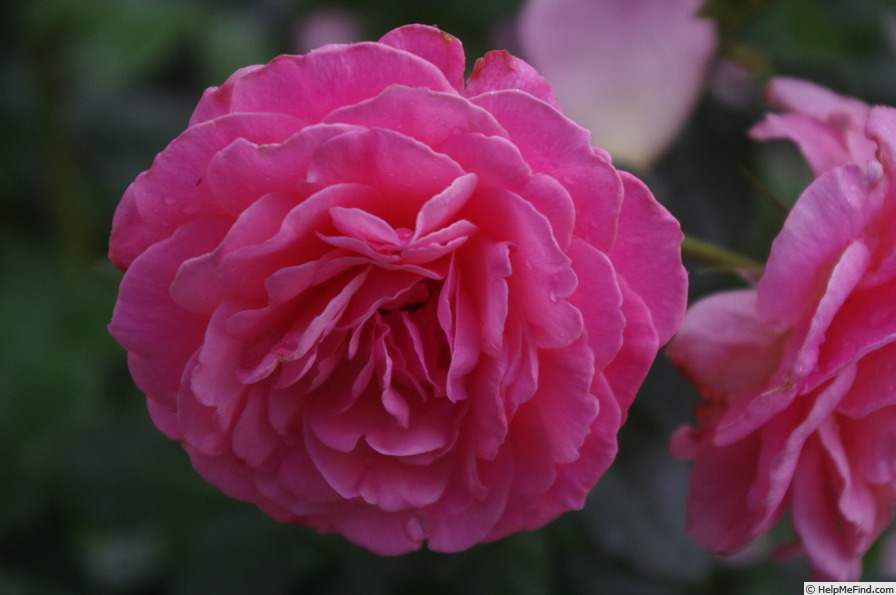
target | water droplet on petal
x=552, y=295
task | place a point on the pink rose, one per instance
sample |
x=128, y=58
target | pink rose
x=828, y=128
x=798, y=374
x=375, y=300
x=631, y=71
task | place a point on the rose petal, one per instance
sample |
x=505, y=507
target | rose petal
x=599, y=299
x=454, y=531
x=423, y=114
x=310, y=86
x=499, y=164
x=832, y=212
x=385, y=482
x=718, y=516
x=563, y=401
x=816, y=521
x=643, y=217
x=486, y=276
x=174, y=190
x=243, y=172
x=378, y=158
x=459, y=322
x=235, y=480
x=436, y=47
x=881, y=128
x=573, y=482
x=821, y=146
x=253, y=440
x=845, y=276
x=499, y=71
x=828, y=128
x=873, y=388
x=556, y=146
x=870, y=445
x=629, y=368
x=783, y=439
x=250, y=270
x=723, y=348
x=161, y=337
x=441, y=208
x=540, y=289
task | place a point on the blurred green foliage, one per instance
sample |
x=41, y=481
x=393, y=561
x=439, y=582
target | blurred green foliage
x=94, y=500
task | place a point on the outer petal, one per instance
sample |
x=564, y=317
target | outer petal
x=458, y=530
x=873, y=390
x=783, y=439
x=235, y=480
x=816, y=519
x=215, y=101
x=437, y=47
x=832, y=212
x=310, y=86
x=174, y=190
x=629, y=368
x=575, y=479
x=599, y=298
x=717, y=514
x=882, y=128
x=161, y=337
x=821, y=145
x=499, y=71
x=724, y=348
x=386, y=534
x=424, y=115
x=828, y=128
x=661, y=281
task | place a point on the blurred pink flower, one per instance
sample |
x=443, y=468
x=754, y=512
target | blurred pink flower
x=799, y=373
x=629, y=70
x=375, y=299
x=325, y=26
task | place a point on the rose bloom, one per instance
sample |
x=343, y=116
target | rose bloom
x=799, y=374
x=375, y=300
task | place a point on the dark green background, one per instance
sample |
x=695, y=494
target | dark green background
x=94, y=500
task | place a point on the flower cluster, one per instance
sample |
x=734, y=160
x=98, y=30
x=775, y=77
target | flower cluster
x=376, y=299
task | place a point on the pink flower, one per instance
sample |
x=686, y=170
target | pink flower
x=629, y=70
x=375, y=300
x=828, y=128
x=325, y=26
x=798, y=374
